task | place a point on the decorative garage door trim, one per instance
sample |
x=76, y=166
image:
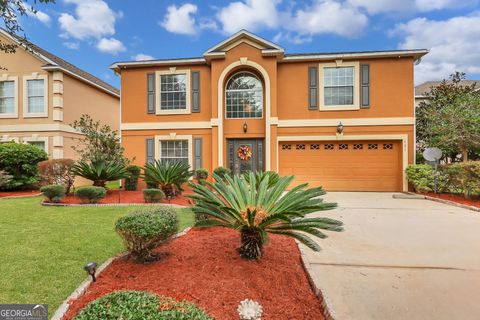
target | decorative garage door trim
x=402, y=137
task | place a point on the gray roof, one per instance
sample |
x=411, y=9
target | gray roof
x=57, y=62
x=425, y=87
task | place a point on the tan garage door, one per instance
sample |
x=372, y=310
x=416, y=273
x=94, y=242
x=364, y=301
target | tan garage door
x=345, y=165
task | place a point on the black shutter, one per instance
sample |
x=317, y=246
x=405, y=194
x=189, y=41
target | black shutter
x=365, y=86
x=150, y=92
x=196, y=91
x=197, y=153
x=150, y=147
x=313, y=88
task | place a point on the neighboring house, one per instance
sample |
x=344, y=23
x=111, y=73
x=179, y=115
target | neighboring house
x=41, y=95
x=423, y=89
x=246, y=95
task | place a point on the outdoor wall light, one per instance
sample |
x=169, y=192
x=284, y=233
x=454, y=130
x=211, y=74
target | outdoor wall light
x=340, y=128
x=91, y=268
x=245, y=127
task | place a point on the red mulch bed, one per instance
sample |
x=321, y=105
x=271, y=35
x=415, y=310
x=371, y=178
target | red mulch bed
x=120, y=196
x=203, y=267
x=456, y=198
x=24, y=193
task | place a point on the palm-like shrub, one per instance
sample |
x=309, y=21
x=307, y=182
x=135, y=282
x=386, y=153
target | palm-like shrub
x=273, y=177
x=257, y=211
x=168, y=175
x=100, y=171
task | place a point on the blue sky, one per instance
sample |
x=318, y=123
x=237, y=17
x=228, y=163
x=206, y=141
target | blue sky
x=94, y=33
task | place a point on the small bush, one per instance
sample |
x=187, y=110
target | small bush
x=20, y=161
x=131, y=181
x=144, y=229
x=421, y=176
x=201, y=174
x=222, y=171
x=91, y=194
x=464, y=178
x=57, y=171
x=140, y=305
x=153, y=195
x=53, y=193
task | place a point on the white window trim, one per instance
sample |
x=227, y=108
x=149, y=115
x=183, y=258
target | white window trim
x=172, y=71
x=14, y=114
x=43, y=114
x=356, y=85
x=173, y=137
x=26, y=140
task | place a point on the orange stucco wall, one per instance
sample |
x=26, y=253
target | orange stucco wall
x=391, y=91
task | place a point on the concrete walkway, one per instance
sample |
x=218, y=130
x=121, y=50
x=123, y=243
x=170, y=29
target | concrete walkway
x=399, y=259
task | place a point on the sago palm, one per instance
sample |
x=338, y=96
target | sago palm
x=259, y=209
x=169, y=175
x=100, y=171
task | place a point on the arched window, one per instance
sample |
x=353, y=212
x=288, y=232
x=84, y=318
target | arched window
x=244, y=96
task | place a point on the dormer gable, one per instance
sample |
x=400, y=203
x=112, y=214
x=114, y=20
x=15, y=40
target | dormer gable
x=243, y=36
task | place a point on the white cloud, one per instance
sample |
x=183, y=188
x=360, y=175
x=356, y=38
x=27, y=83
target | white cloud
x=92, y=19
x=329, y=17
x=251, y=15
x=142, y=57
x=72, y=45
x=382, y=6
x=454, y=45
x=180, y=20
x=110, y=45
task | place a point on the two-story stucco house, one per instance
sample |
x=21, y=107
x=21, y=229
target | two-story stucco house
x=42, y=94
x=341, y=120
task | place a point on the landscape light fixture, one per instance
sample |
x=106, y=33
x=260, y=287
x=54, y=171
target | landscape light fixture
x=340, y=128
x=91, y=268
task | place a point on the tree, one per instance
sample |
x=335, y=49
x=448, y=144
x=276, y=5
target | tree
x=450, y=118
x=100, y=142
x=10, y=10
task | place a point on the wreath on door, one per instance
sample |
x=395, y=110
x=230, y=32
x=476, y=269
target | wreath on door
x=244, y=153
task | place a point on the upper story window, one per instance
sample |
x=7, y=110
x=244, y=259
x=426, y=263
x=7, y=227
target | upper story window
x=35, y=100
x=338, y=86
x=7, y=97
x=173, y=87
x=244, y=96
x=173, y=90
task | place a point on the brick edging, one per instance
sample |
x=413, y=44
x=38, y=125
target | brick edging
x=325, y=308
x=452, y=203
x=82, y=288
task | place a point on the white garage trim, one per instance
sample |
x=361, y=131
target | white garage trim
x=402, y=137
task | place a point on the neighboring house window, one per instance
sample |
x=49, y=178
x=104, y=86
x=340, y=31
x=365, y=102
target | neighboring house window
x=40, y=142
x=244, y=96
x=36, y=96
x=7, y=97
x=338, y=86
x=174, y=150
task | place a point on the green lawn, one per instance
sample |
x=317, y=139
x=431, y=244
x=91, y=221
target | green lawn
x=43, y=249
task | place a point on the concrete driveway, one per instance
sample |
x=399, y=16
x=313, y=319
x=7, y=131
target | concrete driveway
x=399, y=259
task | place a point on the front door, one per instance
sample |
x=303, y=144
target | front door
x=245, y=155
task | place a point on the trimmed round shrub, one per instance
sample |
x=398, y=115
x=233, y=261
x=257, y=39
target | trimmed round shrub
x=140, y=305
x=201, y=174
x=131, y=182
x=222, y=171
x=144, y=229
x=91, y=194
x=153, y=195
x=54, y=192
x=20, y=161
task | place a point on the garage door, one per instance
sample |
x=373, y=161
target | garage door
x=345, y=165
